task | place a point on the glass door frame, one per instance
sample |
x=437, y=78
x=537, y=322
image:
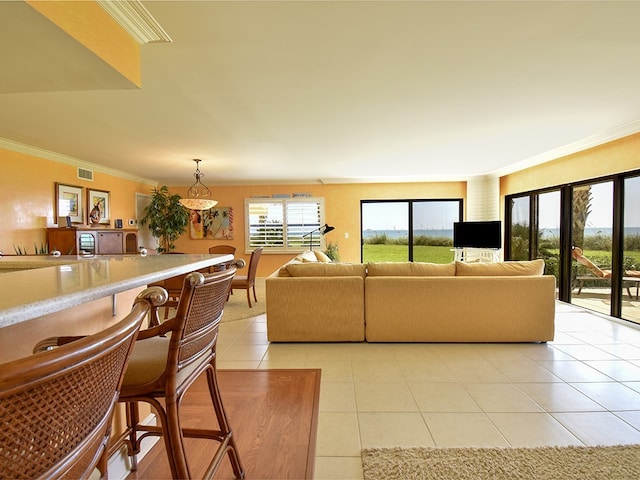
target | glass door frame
x=566, y=197
x=410, y=227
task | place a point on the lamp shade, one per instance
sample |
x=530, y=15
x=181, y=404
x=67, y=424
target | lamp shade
x=198, y=203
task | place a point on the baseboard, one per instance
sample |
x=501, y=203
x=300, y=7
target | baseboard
x=119, y=466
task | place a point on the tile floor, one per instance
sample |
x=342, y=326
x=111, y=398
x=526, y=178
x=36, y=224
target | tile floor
x=581, y=389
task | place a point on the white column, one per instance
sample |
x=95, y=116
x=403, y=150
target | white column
x=483, y=198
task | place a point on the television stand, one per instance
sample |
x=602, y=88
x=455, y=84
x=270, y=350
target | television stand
x=467, y=254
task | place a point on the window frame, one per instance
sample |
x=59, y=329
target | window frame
x=295, y=236
x=565, y=281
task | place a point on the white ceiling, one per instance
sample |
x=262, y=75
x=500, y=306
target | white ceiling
x=282, y=92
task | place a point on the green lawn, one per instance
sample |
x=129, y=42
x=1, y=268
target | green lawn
x=400, y=253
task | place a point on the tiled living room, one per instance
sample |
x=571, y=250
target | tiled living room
x=583, y=388
x=500, y=106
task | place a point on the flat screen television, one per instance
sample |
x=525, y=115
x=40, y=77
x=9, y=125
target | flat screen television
x=477, y=234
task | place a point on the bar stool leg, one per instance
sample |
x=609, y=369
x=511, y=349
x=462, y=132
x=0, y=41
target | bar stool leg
x=225, y=428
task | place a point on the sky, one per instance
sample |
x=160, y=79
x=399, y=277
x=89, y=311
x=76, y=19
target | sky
x=601, y=206
x=432, y=215
x=428, y=215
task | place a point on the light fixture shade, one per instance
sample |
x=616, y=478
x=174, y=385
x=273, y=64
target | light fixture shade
x=198, y=203
x=326, y=229
x=199, y=195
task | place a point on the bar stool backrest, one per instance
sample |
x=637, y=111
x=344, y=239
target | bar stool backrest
x=197, y=318
x=56, y=406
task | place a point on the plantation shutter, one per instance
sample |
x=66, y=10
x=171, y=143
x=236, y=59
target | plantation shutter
x=280, y=224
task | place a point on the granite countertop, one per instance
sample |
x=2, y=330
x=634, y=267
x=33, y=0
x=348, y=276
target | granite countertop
x=47, y=284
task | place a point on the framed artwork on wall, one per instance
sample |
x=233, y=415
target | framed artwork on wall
x=97, y=206
x=69, y=202
x=215, y=223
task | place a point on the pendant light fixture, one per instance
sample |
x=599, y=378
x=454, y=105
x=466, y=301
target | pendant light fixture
x=198, y=195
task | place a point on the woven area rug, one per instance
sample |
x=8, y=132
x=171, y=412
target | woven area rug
x=237, y=308
x=541, y=463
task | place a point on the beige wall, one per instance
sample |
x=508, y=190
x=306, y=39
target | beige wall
x=622, y=155
x=90, y=25
x=27, y=197
x=27, y=201
x=342, y=211
x=619, y=156
x=28, y=191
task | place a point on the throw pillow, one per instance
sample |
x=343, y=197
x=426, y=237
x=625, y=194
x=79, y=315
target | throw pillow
x=516, y=268
x=321, y=256
x=307, y=256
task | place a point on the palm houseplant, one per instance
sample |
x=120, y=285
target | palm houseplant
x=166, y=217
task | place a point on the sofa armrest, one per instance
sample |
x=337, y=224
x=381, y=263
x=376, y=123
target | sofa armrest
x=315, y=309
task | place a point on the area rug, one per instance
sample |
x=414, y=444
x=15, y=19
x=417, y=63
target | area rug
x=237, y=308
x=540, y=463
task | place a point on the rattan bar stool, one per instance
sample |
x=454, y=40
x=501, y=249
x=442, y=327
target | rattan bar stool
x=56, y=406
x=166, y=360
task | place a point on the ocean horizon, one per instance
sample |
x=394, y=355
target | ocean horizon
x=448, y=233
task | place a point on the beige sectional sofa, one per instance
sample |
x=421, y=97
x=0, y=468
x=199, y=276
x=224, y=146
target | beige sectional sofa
x=310, y=301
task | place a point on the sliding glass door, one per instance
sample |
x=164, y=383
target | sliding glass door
x=631, y=250
x=520, y=229
x=547, y=228
x=432, y=225
x=384, y=232
x=588, y=233
x=408, y=230
x=591, y=241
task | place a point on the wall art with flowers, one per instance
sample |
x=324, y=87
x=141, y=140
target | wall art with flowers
x=215, y=223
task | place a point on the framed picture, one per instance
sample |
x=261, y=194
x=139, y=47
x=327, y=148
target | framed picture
x=69, y=202
x=97, y=206
x=215, y=223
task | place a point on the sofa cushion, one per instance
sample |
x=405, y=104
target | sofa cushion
x=410, y=269
x=388, y=269
x=516, y=268
x=283, y=272
x=326, y=269
x=425, y=269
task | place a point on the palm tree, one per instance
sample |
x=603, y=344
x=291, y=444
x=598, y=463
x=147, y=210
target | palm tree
x=580, y=210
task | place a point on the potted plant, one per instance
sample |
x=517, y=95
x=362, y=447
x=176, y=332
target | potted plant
x=332, y=251
x=167, y=219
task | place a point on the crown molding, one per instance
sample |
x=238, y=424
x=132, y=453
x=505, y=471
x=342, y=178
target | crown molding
x=622, y=131
x=136, y=20
x=57, y=157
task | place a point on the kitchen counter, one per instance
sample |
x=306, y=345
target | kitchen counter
x=34, y=286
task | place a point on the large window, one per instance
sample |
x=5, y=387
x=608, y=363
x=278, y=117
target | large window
x=284, y=225
x=631, y=250
x=588, y=233
x=409, y=230
x=520, y=231
x=592, y=233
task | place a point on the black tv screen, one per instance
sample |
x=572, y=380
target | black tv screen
x=477, y=234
